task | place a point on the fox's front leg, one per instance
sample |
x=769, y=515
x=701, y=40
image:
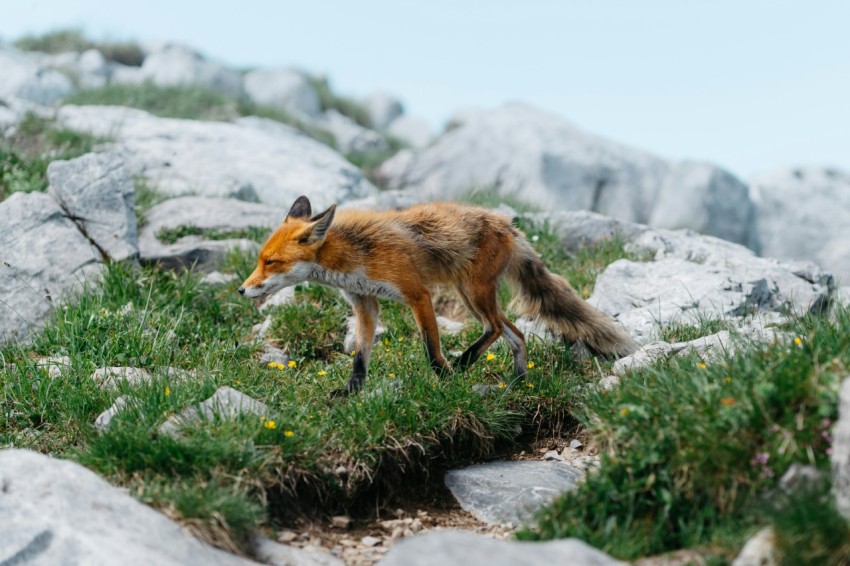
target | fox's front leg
x=366, y=319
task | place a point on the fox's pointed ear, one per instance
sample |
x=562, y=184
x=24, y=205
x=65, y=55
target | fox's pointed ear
x=319, y=229
x=300, y=209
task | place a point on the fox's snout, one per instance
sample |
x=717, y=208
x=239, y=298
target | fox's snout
x=241, y=290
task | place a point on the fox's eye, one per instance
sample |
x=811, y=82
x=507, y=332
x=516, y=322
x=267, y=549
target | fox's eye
x=271, y=261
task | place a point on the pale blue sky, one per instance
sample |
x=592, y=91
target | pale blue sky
x=748, y=84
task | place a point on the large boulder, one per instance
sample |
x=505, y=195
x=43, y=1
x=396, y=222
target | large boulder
x=271, y=164
x=350, y=136
x=58, y=512
x=522, y=152
x=455, y=548
x=23, y=77
x=96, y=191
x=383, y=109
x=286, y=89
x=413, y=131
x=178, y=65
x=804, y=213
x=43, y=258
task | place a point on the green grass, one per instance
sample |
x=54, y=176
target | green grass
x=73, y=39
x=147, y=197
x=25, y=155
x=191, y=103
x=226, y=478
x=685, y=332
x=171, y=235
x=688, y=448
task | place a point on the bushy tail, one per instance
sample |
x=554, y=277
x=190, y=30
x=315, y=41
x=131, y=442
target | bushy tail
x=550, y=298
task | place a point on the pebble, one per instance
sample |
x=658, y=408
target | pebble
x=370, y=541
x=341, y=522
x=575, y=444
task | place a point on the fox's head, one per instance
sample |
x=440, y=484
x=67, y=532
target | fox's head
x=289, y=255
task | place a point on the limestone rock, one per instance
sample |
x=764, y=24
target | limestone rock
x=24, y=78
x=456, y=548
x=273, y=355
x=502, y=492
x=113, y=377
x=58, y=512
x=55, y=366
x=523, y=152
x=840, y=458
x=804, y=213
x=278, y=298
x=760, y=550
x=43, y=258
x=285, y=89
x=97, y=192
x=350, y=136
x=385, y=200
x=220, y=159
x=178, y=65
x=226, y=403
x=192, y=252
x=104, y=420
x=383, y=109
x=414, y=132
x=218, y=278
x=276, y=554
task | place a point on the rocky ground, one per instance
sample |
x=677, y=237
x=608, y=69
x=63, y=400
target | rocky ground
x=708, y=265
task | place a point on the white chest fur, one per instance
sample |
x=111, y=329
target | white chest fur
x=355, y=282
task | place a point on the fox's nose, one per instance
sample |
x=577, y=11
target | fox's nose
x=241, y=290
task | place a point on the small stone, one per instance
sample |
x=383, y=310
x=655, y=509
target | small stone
x=407, y=532
x=110, y=377
x=398, y=532
x=273, y=355
x=259, y=330
x=370, y=541
x=286, y=536
x=341, y=471
x=218, y=278
x=609, y=382
x=575, y=444
x=553, y=455
x=543, y=450
x=104, y=420
x=341, y=522
x=55, y=365
x=760, y=550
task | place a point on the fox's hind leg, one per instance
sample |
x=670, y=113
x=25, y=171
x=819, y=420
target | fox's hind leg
x=366, y=311
x=484, y=305
x=513, y=336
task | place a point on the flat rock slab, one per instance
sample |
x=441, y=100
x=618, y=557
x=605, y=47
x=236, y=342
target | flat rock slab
x=225, y=403
x=510, y=492
x=58, y=512
x=455, y=548
x=221, y=159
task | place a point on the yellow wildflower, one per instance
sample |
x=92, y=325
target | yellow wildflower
x=272, y=364
x=798, y=341
x=167, y=391
x=401, y=339
x=392, y=376
x=490, y=356
x=585, y=293
x=279, y=366
x=530, y=365
x=262, y=419
x=502, y=385
x=288, y=433
x=386, y=342
x=292, y=364
x=529, y=385
x=322, y=372
x=701, y=365
x=270, y=424
x=728, y=379
x=624, y=411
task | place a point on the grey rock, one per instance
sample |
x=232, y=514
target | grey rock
x=580, y=228
x=192, y=252
x=113, y=377
x=370, y=541
x=259, y=330
x=97, y=192
x=126, y=75
x=221, y=214
x=553, y=455
x=273, y=355
x=760, y=550
x=503, y=492
x=25, y=78
x=703, y=278
x=55, y=366
x=448, y=326
x=383, y=109
x=58, y=512
x=218, y=278
x=275, y=554
x=350, y=136
x=385, y=200
x=485, y=389
x=104, y=420
x=43, y=258
x=278, y=298
x=799, y=475
x=609, y=382
x=415, y=132
x=220, y=159
x=178, y=65
x=226, y=403
x=575, y=444
x=840, y=458
x=804, y=213
x=286, y=89
x=520, y=151
x=842, y=296
x=456, y=548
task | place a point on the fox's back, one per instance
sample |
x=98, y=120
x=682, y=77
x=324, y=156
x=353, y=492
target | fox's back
x=442, y=240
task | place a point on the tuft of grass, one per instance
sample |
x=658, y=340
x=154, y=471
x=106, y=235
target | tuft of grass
x=73, y=39
x=489, y=198
x=808, y=527
x=685, y=332
x=344, y=105
x=147, y=197
x=687, y=447
x=36, y=141
x=171, y=235
x=369, y=161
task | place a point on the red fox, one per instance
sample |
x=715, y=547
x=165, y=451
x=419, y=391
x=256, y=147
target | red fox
x=401, y=254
